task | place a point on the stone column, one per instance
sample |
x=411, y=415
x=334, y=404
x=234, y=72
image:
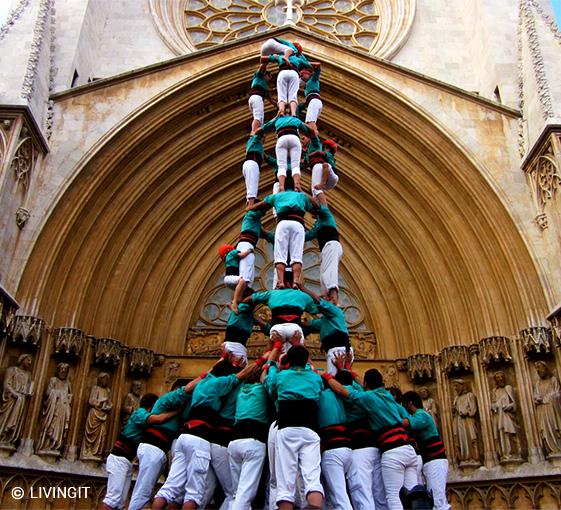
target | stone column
x=535, y=453
x=482, y=392
x=443, y=392
x=79, y=381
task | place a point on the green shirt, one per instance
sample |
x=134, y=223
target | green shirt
x=285, y=297
x=353, y=410
x=423, y=425
x=295, y=383
x=331, y=409
x=324, y=219
x=252, y=403
x=332, y=320
x=312, y=85
x=259, y=81
x=286, y=122
x=169, y=402
x=243, y=319
x=289, y=201
x=331, y=160
x=232, y=260
x=299, y=62
x=211, y=389
x=228, y=409
x=252, y=222
x=135, y=425
x=380, y=406
x=255, y=144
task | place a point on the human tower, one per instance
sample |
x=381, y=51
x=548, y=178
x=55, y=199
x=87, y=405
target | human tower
x=310, y=439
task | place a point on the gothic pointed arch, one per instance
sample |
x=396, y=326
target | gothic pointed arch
x=431, y=251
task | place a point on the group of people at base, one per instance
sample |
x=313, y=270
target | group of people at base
x=277, y=433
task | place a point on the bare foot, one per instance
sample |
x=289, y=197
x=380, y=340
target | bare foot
x=280, y=285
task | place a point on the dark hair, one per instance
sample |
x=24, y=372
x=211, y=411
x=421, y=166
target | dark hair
x=344, y=377
x=223, y=367
x=248, y=291
x=396, y=393
x=182, y=381
x=373, y=379
x=297, y=356
x=414, y=398
x=148, y=400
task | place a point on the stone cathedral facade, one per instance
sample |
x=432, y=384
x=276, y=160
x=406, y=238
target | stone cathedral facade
x=122, y=133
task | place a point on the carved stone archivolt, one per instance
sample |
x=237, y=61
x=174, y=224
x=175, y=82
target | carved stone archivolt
x=495, y=349
x=420, y=367
x=378, y=27
x=455, y=358
x=26, y=329
x=69, y=341
x=536, y=340
x=25, y=157
x=107, y=351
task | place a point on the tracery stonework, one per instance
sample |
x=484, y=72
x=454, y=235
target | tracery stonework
x=378, y=27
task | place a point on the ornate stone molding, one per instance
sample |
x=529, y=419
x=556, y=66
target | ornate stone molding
x=171, y=372
x=34, y=54
x=26, y=329
x=69, y=341
x=22, y=215
x=25, y=157
x=495, y=349
x=8, y=308
x=13, y=16
x=52, y=74
x=455, y=358
x=520, y=70
x=536, y=340
x=107, y=351
x=379, y=28
x=141, y=360
x=547, y=19
x=421, y=367
x=544, y=93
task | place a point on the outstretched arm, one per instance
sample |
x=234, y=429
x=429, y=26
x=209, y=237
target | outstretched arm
x=156, y=419
x=336, y=386
x=259, y=206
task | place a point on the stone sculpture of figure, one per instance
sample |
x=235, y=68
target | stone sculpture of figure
x=429, y=404
x=95, y=432
x=56, y=411
x=464, y=410
x=132, y=401
x=503, y=409
x=548, y=416
x=17, y=386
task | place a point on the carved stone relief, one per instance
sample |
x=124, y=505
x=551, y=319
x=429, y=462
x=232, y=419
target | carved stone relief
x=17, y=387
x=132, y=401
x=25, y=157
x=171, y=372
x=466, y=434
x=455, y=358
x=26, y=329
x=96, y=428
x=141, y=360
x=547, y=398
x=69, y=341
x=420, y=366
x=22, y=215
x=430, y=405
x=107, y=351
x=536, y=340
x=495, y=349
x=55, y=416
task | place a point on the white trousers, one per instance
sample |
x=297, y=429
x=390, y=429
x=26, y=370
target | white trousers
x=151, y=462
x=399, y=469
x=297, y=447
x=361, y=478
x=288, y=83
x=237, y=350
x=119, y=476
x=273, y=47
x=288, y=148
x=329, y=266
x=336, y=467
x=220, y=461
x=272, y=454
x=174, y=486
x=330, y=358
x=436, y=475
x=378, y=490
x=257, y=107
x=286, y=332
x=247, y=264
x=314, y=109
x=289, y=239
x=196, y=452
x=317, y=176
x=250, y=170
x=419, y=470
x=247, y=457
